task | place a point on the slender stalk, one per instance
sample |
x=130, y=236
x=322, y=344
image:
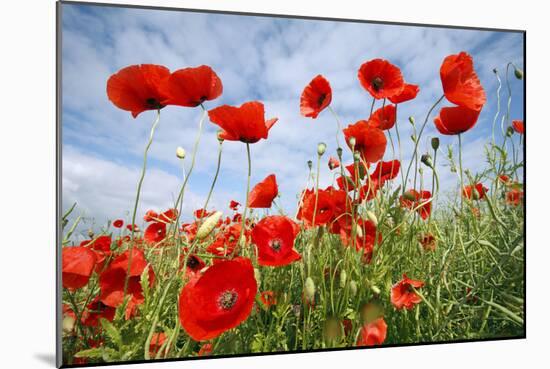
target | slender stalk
x=215, y=176
x=461, y=172
x=247, y=190
x=338, y=125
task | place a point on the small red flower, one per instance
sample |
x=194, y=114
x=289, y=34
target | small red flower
x=157, y=340
x=413, y=199
x=403, y=295
x=136, y=88
x=218, y=300
x=428, y=242
x=518, y=126
x=206, y=349
x=383, y=118
x=268, y=298
x=226, y=242
x=263, y=194
x=77, y=266
x=369, y=141
x=245, y=123
x=169, y=216
x=333, y=163
x=150, y=216
x=155, y=233
x=315, y=97
x=234, y=205
x=514, y=197
x=118, y=223
x=475, y=192
x=191, y=86
x=274, y=238
x=133, y=227
x=409, y=92
x=381, y=78
x=455, y=120
x=201, y=213
x=504, y=178
x=373, y=333
x=460, y=82
x=96, y=310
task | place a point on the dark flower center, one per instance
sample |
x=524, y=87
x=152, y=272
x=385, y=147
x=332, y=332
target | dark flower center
x=377, y=84
x=321, y=99
x=153, y=103
x=227, y=299
x=193, y=262
x=275, y=245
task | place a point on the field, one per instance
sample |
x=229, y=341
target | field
x=374, y=259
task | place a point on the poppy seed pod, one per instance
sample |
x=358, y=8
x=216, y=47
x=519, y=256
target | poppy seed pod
x=353, y=288
x=321, y=148
x=372, y=217
x=509, y=131
x=309, y=289
x=219, y=135
x=495, y=71
x=356, y=156
x=309, y=164
x=180, y=152
x=339, y=152
x=352, y=141
x=343, y=278
x=435, y=143
x=90, y=233
x=426, y=159
x=208, y=226
x=518, y=73
x=411, y=120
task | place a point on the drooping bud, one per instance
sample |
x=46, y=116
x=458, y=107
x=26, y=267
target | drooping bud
x=372, y=217
x=343, y=278
x=435, y=143
x=309, y=164
x=339, y=152
x=353, y=288
x=208, y=226
x=518, y=73
x=180, y=152
x=509, y=131
x=411, y=120
x=309, y=289
x=426, y=159
x=321, y=148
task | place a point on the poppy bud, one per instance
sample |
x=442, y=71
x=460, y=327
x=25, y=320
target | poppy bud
x=343, y=278
x=435, y=143
x=208, y=226
x=426, y=159
x=219, y=136
x=68, y=324
x=356, y=156
x=339, y=151
x=509, y=131
x=90, y=233
x=409, y=196
x=518, y=72
x=375, y=289
x=353, y=288
x=309, y=289
x=413, y=138
x=411, y=120
x=309, y=164
x=372, y=217
x=495, y=71
x=475, y=194
x=180, y=152
x=352, y=142
x=321, y=148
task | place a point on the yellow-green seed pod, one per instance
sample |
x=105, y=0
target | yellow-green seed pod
x=356, y=156
x=309, y=289
x=208, y=226
x=343, y=278
x=411, y=120
x=353, y=288
x=321, y=148
x=426, y=159
x=180, y=152
x=352, y=142
x=518, y=73
x=372, y=217
x=435, y=143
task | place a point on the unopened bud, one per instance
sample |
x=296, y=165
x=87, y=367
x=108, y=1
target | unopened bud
x=180, y=152
x=353, y=288
x=509, y=131
x=413, y=138
x=411, y=120
x=343, y=278
x=475, y=194
x=495, y=71
x=219, y=136
x=372, y=217
x=90, y=233
x=375, y=289
x=356, y=156
x=309, y=289
x=518, y=73
x=435, y=143
x=68, y=324
x=352, y=142
x=339, y=152
x=208, y=226
x=321, y=148
x=426, y=159
x=309, y=164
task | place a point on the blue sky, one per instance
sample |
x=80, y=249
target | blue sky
x=257, y=58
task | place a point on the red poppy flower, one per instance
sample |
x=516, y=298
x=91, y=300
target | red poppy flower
x=518, y=126
x=155, y=233
x=428, y=242
x=514, y=197
x=373, y=333
x=455, y=120
x=218, y=300
x=413, y=199
x=263, y=194
x=381, y=78
x=383, y=118
x=226, y=242
x=169, y=216
x=504, y=178
x=245, y=123
x=118, y=223
x=330, y=204
x=191, y=86
x=369, y=190
x=194, y=263
x=403, y=295
x=475, y=192
x=333, y=163
x=201, y=213
x=315, y=97
x=157, y=340
x=369, y=141
x=96, y=310
x=460, y=82
x=77, y=266
x=366, y=235
x=268, y=298
x=234, y=205
x=386, y=170
x=205, y=350
x=133, y=227
x=102, y=248
x=137, y=88
x=111, y=281
x=409, y=92
x=150, y=216
x=274, y=238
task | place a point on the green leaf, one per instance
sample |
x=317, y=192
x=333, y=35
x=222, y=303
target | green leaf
x=111, y=331
x=93, y=353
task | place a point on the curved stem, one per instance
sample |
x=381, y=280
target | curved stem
x=338, y=125
x=215, y=176
x=498, y=104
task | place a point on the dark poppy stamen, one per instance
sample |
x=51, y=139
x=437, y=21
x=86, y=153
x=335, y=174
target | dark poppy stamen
x=377, y=83
x=275, y=245
x=153, y=103
x=321, y=99
x=192, y=263
x=227, y=299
